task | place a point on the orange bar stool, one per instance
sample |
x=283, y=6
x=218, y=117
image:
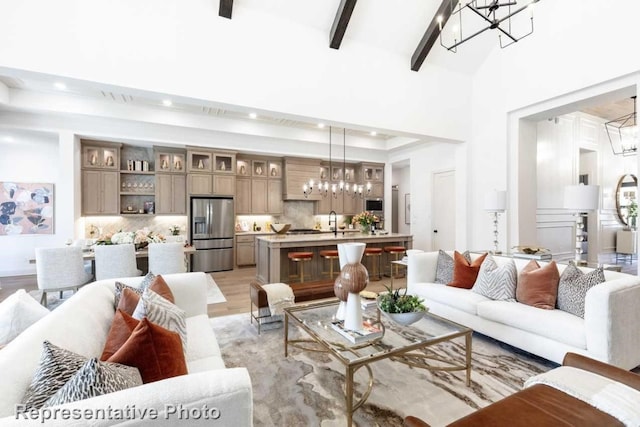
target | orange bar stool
x=300, y=257
x=397, y=252
x=331, y=255
x=375, y=262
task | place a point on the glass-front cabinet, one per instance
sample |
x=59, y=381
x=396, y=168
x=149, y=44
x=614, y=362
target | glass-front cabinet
x=170, y=162
x=100, y=157
x=200, y=161
x=224, y=163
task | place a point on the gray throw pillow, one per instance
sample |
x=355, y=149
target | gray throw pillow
x=96, y=378
x=57, y=366
x=444, y=267
x=146, y=282
x=164, y=313
x=496, y=282
x=573, y=287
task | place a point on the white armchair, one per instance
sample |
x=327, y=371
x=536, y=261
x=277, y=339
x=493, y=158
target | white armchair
x=166, y=258
x=114, y=261
x=60, y=269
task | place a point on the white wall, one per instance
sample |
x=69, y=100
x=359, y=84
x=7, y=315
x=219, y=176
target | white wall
x=38, y=158
x=564, y=61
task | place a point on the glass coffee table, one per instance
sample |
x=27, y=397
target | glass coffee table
x=404, y=344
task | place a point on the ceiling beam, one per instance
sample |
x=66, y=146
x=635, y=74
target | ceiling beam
x=431, y=35
x=339, y=27
x=226, y=7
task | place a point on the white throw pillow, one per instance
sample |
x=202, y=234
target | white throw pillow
x=17, y=313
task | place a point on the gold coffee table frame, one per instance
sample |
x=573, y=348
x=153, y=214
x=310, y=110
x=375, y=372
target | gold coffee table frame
x=404, y=344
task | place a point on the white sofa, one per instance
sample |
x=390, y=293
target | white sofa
x=81, y=325
x=609, y=332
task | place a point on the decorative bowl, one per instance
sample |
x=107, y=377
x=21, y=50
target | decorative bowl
x=405, y=319
x=280, y=228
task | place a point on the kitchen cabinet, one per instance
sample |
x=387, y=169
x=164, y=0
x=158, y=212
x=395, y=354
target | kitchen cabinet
x=259, y=196
x=274, y=197
x=245, y=250
x=137, y=191
x=100, y=156
x=224, y=163
x=167, y=161
x=200, y=184
x=100, y=192
x=297, y=173
x=377, y=190
x=243, y=196
x=171, y=194
x=199, y=161
x=224, y=185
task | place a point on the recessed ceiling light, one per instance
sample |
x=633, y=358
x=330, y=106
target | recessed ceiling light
x=60, y=86
x=374, y=133
x=321, y=125
x=253, y=115
x=167, y=102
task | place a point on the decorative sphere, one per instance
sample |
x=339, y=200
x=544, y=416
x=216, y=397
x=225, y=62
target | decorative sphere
x=341, y=292
x=354, y=277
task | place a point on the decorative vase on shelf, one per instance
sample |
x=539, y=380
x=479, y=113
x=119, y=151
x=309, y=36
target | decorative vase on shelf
x=200, y=164
x=353, y=278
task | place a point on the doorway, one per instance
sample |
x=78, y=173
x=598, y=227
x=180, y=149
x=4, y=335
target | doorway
x=443, y=208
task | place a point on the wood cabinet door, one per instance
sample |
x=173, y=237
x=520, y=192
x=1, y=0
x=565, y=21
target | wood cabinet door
x=200, y=184
x=243, y=196
x=224, y=185
x=245, y=254
x=274, y=197
x=110, y=193
x=91, y=192
x=164, y=197
x=259, y=196
x=377, y=189
x=179, y=194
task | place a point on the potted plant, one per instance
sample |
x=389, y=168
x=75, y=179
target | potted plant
x=632, y=214
x=400, y=307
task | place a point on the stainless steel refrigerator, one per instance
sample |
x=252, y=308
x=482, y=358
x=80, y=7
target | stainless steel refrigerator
x=212, y=231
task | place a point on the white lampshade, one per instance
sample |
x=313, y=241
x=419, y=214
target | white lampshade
x=495, y=201
x=581, y=198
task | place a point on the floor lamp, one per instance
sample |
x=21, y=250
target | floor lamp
x=579, y=199
x=495, y=202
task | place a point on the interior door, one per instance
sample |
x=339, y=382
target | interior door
x=443, y=211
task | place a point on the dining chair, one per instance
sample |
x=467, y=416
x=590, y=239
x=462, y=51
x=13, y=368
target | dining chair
x=114, y=261
x=166, y=258
x=60, y=269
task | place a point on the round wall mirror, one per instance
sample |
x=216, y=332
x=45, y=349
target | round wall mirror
x=626, y=194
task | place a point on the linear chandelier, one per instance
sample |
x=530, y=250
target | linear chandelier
x=342, y=187
x=495, y=14
x=623, y=133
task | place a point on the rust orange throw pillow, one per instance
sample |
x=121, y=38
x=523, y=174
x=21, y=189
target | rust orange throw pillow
x=160, y=287
x=538, y=286
x=155, y=351
x=128, y=301
x=464, y=272
x=121, y=328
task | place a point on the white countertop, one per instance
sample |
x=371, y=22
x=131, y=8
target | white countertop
x=302, y=238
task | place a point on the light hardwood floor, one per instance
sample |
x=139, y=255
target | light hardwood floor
x=233, y=284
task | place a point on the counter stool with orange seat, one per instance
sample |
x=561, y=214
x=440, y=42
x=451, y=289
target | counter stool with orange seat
x=397, y=252
x=300, y=257
x=377, y=254
x=331, y=255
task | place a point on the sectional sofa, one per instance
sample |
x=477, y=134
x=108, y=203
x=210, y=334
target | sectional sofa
x=81, y=325
x=609, y=331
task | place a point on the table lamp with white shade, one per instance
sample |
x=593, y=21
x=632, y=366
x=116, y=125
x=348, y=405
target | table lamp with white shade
x=495, y=202
x=580, y=198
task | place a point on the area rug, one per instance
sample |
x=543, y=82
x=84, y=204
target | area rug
x=214, y=294
x=305, y=389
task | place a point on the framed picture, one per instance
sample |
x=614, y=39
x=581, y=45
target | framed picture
x=407, y=208
x=26, y=208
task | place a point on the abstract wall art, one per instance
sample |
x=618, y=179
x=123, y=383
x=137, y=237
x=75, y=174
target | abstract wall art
x=26, y=208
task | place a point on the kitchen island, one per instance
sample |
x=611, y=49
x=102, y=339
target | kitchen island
x=273, y=265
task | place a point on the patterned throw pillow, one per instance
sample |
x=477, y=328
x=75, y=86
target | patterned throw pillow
x=497, y=283
x=96, y=378
x=163, y=313
x=444, y=267
x=57, y=366
x=573, y=287
x=120, y=287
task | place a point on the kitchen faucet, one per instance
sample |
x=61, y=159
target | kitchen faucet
x=335, y=223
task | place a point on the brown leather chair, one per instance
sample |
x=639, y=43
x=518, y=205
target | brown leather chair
x=541, y=405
